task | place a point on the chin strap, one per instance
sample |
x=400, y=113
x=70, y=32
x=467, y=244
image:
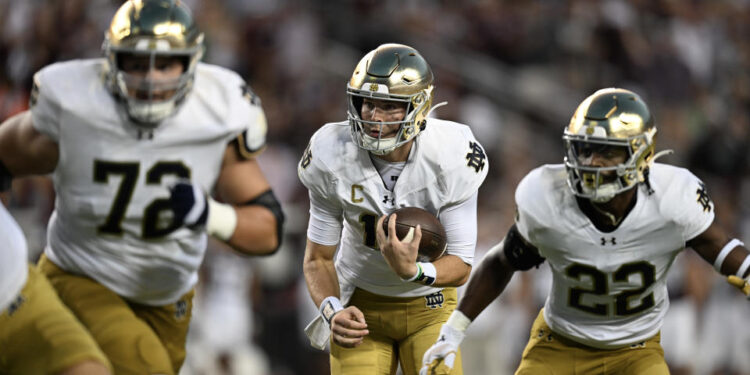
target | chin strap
x=434, y=107
x=662, y=153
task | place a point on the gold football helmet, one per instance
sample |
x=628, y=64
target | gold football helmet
x=610, y=117
x=392, y=72
x=152, y=28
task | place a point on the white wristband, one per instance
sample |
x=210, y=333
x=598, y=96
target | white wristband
x=329, y=307
x=458, y=321
x=725, y=251
x=743, y=267
x=429, y=273
x=221, y=221
x=416, y=275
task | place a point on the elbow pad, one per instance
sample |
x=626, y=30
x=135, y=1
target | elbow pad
x=519, y=253
x=268, y=200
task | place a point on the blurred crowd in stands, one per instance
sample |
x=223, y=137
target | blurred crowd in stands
x=513, y=70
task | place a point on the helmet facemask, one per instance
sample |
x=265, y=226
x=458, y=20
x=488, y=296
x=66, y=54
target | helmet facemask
x=409, y=126
x=611, y=123
x=396, y=73
x=601, y=184
x=149, y=101
x=154, y=31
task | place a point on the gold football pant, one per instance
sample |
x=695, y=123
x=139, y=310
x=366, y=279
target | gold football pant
x=550, y=353
x=137, y=339
x=401, y=330
x=39, y=335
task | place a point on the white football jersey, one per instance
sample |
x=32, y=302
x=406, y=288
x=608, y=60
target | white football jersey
x=13, y=263
x=609, y=288
x=112, y=220
x=445, y=168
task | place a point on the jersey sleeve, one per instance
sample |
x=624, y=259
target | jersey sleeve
x=526, y=219
x=45, y=106
x=688, y=204
x=252, y=138
x=466, y=175
x=326, y=212
x=460, y=224
x=326, y=221
x=314, y=174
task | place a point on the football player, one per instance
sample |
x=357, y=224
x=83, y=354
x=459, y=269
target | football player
x=38, y=334
x=381, y=306
x=610, y=222
x=137, y=144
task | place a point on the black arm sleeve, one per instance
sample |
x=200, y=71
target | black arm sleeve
x=268, y=200
x=519, y=253
x=5, y=178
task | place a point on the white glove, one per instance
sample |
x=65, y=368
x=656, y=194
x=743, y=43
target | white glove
x=441, y=356
x=741, y=284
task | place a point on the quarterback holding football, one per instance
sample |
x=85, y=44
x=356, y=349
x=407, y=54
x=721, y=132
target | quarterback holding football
x=388, y=155
x=609, y=222
x=137, y=142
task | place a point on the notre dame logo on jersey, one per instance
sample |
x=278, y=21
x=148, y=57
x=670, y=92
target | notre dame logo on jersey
x=34, y=95
x=703, y=198
x=249, y=95
x=306, y=157
x=435, y=300
x=475, y=157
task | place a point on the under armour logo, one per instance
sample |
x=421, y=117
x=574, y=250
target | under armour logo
x=145, y=134
x=306, y=157
x=475, y=157
x=612, y=240
x=703, y=198
x=386, y=199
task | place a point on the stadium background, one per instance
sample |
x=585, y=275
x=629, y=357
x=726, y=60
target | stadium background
x=513, y=70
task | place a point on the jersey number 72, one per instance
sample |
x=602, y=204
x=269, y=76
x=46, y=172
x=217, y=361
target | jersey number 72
x=150, y=228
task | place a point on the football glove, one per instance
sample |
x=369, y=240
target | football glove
x=741, y=284
x=441, y=356
x=189, y=204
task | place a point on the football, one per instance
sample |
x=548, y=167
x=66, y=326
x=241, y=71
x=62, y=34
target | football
x=433, y=241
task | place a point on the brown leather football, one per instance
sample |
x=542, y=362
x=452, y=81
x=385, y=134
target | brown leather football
x=433, y=241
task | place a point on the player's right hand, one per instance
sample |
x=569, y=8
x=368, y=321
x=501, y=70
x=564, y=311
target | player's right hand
x=441, y=356
x=348, y=327
x=743, y=285
x=188, y=202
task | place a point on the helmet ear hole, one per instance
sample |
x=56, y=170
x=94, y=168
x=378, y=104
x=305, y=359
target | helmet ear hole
x=357, y=103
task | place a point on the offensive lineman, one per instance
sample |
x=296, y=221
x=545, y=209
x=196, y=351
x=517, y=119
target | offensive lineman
x=610, y=222
x=388, y=155
x=136, y=142
x=30, y=310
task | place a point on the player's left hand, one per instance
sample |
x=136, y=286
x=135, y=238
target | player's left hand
x=188, y=202
x=400, y=255
x=741, y=284
x=441, y=356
